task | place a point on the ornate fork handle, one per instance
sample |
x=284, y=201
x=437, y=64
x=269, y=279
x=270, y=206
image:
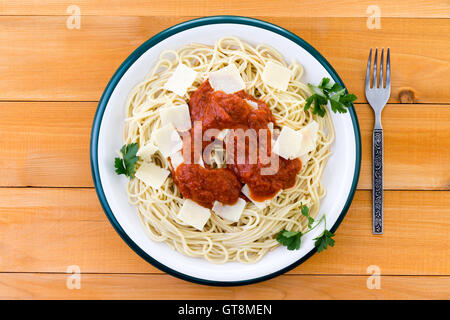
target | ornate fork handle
x=377, y=192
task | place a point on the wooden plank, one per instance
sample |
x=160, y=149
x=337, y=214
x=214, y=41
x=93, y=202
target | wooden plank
x=47, y=144
x=164, y=287
x=416, y=146
x=280, y=8
x=47, y=230
x=47, y=61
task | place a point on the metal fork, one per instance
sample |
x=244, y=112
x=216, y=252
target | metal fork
x=377, y=96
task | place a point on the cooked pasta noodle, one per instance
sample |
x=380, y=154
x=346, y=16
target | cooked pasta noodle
x=249, y=239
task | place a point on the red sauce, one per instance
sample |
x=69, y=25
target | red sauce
x=204, y=186
x=218, y=110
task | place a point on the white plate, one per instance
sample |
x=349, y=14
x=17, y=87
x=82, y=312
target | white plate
x=340, y=176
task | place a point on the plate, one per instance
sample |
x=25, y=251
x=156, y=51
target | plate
x=340, y=176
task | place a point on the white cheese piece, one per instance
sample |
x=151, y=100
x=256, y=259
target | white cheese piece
x=276, y=75
x=176, y=159
x=147, y=151
x=259, y=204
x=252, y=104
x=230, y=212
x=167, y=140
x=309, y=135
x=181, y=79
x=152, y=175
x=288, y=143
x=177, y=115
x=227, y=79
x=194, y=214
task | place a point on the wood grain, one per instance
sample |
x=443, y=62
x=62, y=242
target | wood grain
x=47, y=230
x=47, y=61
x=302, y=287
x=48, y=145
x=416, y=146
x=52, y=78
x=279, y=8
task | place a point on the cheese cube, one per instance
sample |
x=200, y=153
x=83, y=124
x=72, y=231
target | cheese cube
x=152, y=175
x=147, y=151
x=309, y=135
x=288, y=143
x=276, y=75
x=181, y=80
x=177, y=115
x=230, y=212
x=227, y=79
x=194, y=214
x=167, y=140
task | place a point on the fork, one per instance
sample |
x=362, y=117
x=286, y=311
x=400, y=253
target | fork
x=377, y=96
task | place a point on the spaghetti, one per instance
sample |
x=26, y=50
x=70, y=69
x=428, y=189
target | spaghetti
x=249, y=239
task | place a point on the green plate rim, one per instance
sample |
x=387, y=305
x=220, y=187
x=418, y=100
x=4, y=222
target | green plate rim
x=126, y=65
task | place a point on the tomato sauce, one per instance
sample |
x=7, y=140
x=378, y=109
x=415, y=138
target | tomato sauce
x=218, y=110
x=204, y=185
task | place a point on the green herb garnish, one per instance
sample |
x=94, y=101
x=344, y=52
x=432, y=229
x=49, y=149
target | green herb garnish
x=292, y=239
x=305, y=212
x=324, y=92
x=125, y=165
x=323, y=240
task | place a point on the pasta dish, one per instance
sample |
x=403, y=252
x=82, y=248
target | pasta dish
x=223, y=153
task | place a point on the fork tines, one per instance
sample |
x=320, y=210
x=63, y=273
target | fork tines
x=378, y=83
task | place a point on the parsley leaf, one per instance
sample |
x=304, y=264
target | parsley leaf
x=125, y=165
x=310, y=221
x=290, y=239
x=120, y=169
x=304, y=209
x=319, y=102
x=339, y=100
x=324, y=240
x=305, y=212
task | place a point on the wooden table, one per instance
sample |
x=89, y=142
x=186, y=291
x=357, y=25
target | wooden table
x=52, y=78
